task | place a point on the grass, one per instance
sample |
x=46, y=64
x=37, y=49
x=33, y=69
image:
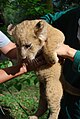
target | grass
x=19, y=97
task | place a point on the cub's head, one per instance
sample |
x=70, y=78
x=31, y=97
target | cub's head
x=30, y=37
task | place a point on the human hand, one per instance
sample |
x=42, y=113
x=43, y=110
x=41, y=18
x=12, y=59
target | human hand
x=66, y=52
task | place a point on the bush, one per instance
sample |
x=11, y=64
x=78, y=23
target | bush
x=17, y=11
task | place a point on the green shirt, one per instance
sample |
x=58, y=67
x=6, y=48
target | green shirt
x=67, y=22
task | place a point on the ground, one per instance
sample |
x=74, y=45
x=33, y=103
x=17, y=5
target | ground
x=18, y=101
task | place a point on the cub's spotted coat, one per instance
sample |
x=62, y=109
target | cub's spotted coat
x=33, y=36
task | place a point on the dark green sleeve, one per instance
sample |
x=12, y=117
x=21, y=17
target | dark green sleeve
x=76, y=62
x=50, y=18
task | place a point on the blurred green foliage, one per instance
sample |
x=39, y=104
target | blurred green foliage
x=15, y=11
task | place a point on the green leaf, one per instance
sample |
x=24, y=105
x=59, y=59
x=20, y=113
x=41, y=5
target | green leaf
x=28, y=81
x=35, y=81
x=18, y=86
x=37, y=8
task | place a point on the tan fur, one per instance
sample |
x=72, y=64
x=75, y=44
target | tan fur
x=31, y=37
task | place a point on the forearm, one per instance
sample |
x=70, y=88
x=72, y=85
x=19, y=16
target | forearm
x=71, y=53
x=12, y=54
x=36, y=63
x=66, y=52
x=11, y=72
x=74, y=55
x=10, y=50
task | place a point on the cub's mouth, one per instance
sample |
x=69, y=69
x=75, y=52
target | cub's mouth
x=39, y=53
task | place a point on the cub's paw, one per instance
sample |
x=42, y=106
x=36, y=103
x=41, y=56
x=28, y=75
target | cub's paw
x=33, y=117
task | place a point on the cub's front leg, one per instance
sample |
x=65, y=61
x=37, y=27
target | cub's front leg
x=50, y=55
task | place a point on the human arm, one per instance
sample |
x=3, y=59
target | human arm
x=51, y=18
x=14, y=71
x=11, y=72
x=9, y=49
x=67, y=52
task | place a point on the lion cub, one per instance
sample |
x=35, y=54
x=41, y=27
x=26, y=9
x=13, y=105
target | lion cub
x=32, y=37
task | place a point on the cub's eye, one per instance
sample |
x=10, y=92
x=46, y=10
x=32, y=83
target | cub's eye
x=28, y=45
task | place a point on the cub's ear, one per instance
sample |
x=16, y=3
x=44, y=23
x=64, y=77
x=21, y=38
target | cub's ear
x=10, y=29
x=41, y=30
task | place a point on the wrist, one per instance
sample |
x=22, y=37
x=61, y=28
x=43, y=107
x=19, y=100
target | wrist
x=71, y=52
